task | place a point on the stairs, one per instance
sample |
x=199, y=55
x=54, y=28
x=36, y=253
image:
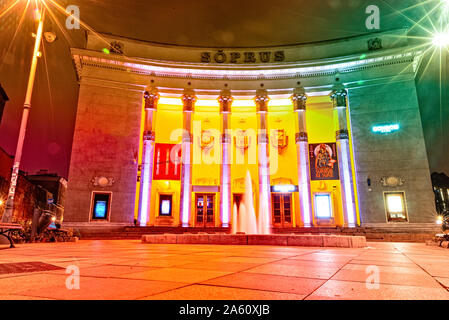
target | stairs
x=371, y=233
x=136, y=233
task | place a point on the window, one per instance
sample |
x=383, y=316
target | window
x=395, y=206
x=101, y=206
x=323, y=206
x=165, y=205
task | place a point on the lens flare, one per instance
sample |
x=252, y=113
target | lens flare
x=441, y=39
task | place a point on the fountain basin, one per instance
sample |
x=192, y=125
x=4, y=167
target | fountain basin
x=297, y=240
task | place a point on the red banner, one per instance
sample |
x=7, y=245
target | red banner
x=167, y=161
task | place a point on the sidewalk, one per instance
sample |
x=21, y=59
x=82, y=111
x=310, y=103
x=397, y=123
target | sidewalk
x=130, y=270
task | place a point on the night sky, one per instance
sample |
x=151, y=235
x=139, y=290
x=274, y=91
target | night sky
x=200, y=22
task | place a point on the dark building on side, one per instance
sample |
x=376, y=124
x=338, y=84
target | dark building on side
x=43, y=191
x=440, y=183
x=3, y=99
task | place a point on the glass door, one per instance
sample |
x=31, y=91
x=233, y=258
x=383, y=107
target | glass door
x=205, y=210
x=282, y=210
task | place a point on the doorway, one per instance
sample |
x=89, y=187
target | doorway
x=204, y=210
x=282, y=210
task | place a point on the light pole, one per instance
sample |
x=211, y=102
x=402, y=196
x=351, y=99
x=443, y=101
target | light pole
x=7, y=215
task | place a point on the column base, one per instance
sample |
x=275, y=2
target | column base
x=308, y=225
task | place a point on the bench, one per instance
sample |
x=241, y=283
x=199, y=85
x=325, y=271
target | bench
x=6, y=229
x=441, y=237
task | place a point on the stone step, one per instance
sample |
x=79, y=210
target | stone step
x=371, y=234
x=338, y=241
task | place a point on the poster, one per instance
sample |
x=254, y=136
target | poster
x=167, y=161
x=323, y=161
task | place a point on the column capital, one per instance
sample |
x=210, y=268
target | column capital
x=225, y=99
x=342, y=134
x=188, y=99
x=226, y=138
x=262, y=138
x=261, y=100
x=299, y=99
x=302, y=137
x=149, y=136
x=339, y=96
x=151, y=96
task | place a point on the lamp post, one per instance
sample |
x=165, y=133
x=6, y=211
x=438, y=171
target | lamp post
x=7, y=216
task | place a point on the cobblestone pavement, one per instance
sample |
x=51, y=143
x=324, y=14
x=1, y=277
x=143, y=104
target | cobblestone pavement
x=125, y=269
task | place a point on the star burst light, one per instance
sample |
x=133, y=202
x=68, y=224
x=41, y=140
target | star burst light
x=38, y=7
x=429, y=33
x=441, y=39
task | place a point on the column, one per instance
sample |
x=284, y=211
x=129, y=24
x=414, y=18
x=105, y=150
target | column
x=339, y=98
x=151, y=97
x=188, y=100
x=225, y=101
x=261, y=100
x=299, y=99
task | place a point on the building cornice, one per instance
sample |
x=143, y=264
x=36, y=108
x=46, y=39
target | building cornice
x=396, y=59
x=173, y=92
x=95, y=59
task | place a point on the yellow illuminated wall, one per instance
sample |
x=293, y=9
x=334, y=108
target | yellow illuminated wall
x=283, y=161
x=169, y=124
x=206, y=162
x=206, y=165
x=244, y=118
x=320, y=126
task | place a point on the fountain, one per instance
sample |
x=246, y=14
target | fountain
x=244, y=220
x=248, y=230
x=241, y=216
x=264, y=225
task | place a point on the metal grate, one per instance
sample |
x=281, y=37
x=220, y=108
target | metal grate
x=25, y=267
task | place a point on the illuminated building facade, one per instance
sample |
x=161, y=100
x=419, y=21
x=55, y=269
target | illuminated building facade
x=329, y=132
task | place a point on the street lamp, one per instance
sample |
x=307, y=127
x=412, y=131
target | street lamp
x=441, y=39
x=39, y=16
x=445, y=4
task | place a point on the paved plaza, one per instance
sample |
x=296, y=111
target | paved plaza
x=131, y=270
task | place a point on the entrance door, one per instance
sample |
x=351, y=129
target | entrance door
x=282, y=210
x=205, y=210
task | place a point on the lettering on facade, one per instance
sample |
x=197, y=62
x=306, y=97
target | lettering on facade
x=242, y=57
